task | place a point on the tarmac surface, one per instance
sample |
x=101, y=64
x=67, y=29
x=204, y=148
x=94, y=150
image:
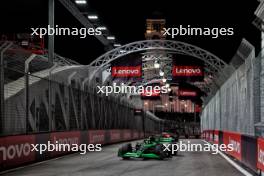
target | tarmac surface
x=106, y=163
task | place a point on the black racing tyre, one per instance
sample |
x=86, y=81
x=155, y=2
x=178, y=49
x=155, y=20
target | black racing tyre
x=159, y=151
x=124, y=149
x=169, y=153
x=175, y=153
x=163, y=155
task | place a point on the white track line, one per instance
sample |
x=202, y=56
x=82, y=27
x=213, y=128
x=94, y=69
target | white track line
x=37, y=163
x=234, y=164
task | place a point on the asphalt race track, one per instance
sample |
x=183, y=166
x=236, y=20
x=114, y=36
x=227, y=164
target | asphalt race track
x=106, y=163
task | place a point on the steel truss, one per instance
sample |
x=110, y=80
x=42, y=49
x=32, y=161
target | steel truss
x=213, y=64
x=71, y=7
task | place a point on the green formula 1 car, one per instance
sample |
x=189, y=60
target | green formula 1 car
x=150, y=148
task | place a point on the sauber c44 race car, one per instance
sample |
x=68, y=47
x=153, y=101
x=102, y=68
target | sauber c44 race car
x=150, y=148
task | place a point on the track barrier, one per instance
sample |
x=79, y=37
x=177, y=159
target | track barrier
x=248, y=150
x=16, y=151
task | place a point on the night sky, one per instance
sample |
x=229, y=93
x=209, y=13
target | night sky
x=126, y=20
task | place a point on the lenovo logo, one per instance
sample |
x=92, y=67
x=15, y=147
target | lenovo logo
x=261, y=156
x=186, y=93
x=236, y=145
x=115, y=136
x=211, y=137
x=187, y=71
x=15, y=151
x=216, y=138
x=135, y=135
x=73, y=140
x=127, y=135
x=97, y=138
x=127, y=71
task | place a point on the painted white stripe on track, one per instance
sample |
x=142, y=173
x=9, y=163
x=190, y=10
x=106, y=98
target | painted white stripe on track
x=233, y=163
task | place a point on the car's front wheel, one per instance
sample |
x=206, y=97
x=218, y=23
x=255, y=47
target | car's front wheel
x=125, y=149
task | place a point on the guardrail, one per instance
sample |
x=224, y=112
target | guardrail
x=248, y=150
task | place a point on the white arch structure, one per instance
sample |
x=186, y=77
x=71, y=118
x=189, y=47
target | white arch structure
x=213, y=64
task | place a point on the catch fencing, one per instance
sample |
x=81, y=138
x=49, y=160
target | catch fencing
x=38, y=96
x=236, y=105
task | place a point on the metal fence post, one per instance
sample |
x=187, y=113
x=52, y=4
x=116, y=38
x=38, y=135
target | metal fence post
x=50, y=114
x=71, y=94
x=31, y=57
x=82, y=102
x=5, y=46
x=51, y=37
x=50, y=102
x=50, y=58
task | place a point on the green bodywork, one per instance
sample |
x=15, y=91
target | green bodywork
x=165, y=140
x=140, y=153
x=143, y=152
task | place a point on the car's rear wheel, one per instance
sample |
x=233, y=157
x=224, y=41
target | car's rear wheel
x=159, y=151
x=175, y=152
